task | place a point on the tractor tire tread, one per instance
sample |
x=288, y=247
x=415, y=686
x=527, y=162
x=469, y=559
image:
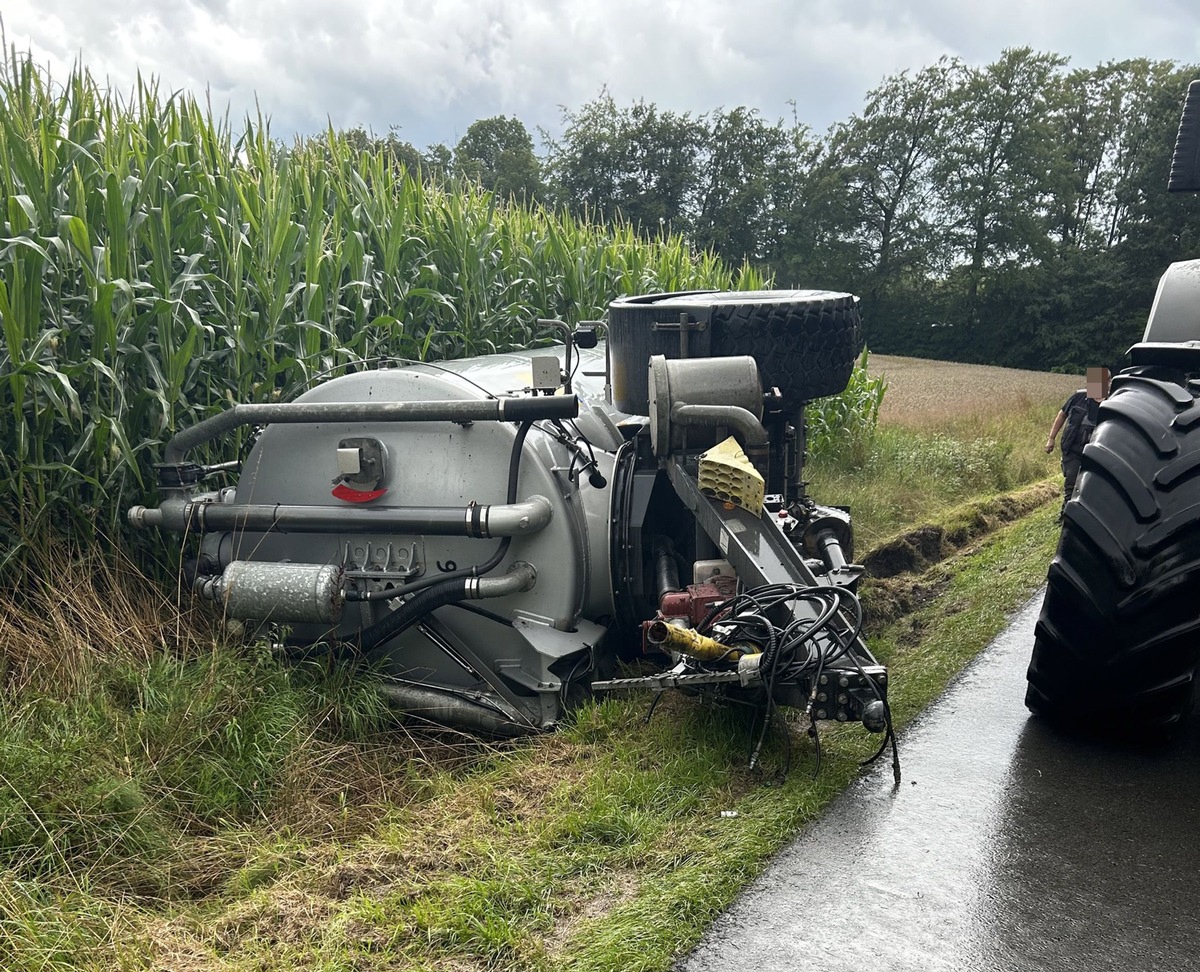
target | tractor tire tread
x=1116, y=645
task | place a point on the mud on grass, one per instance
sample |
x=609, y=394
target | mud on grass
x=948, y=433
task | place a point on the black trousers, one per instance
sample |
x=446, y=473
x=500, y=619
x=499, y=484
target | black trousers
x=1070, y=468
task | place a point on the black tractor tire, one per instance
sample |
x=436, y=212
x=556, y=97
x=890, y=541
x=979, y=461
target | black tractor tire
x=805, y=342
x=1115, y=649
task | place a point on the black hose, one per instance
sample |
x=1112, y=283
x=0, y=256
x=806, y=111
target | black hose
x=435, y=592
x=412, y=611
x=666, y=570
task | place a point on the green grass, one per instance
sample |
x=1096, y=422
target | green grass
x=149, y=831
x=916, y=475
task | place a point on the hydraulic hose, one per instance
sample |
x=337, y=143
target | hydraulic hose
x=666, y=570
x=520, y=578
x=412, y=611
x=434, y=592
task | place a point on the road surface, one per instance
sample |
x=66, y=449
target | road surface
x=1006, y=847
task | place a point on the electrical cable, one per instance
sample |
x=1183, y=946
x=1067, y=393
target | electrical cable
x=803, y=650
x=483, y=613
x=653, y=705
x=565, y=684
x=307, y=383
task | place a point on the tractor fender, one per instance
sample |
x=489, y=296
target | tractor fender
x=1172, y=336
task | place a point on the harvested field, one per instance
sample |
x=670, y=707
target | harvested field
x=923, y=392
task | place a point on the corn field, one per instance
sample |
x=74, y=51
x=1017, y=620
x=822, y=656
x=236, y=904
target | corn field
x=843, y=426
x=156, y=265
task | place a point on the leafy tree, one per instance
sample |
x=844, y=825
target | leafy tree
x=995, y=167
x=887, y=155
x=1150, y=227
x=1013, y=213
x=1116, y=226
x=815, y=244
x=1087, y=125
x=401, y=153
x=745, y=162
x=437, y=161
x=637, y=162
x=498, y=154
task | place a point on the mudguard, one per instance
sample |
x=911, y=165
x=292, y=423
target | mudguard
x=1172, y=336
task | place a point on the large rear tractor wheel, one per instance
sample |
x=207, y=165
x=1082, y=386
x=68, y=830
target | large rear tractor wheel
x=1116, y=645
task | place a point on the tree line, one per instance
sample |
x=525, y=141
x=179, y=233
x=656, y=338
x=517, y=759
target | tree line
x=1013, y=213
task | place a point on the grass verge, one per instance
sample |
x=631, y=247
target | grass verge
x=917, y=474
x=293, y=834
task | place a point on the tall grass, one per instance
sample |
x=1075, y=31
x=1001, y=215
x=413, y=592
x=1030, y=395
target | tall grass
x=916, y=475
x=156, y=264
x=132, y=734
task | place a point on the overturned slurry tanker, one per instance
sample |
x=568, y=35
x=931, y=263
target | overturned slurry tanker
x=495, y=532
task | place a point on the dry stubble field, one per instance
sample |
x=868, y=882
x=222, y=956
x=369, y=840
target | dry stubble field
x=949, y=434
x=922, y=392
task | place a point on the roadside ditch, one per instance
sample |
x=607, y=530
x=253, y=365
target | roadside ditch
x=898, y=578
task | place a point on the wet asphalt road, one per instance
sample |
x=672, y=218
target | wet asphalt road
x=1007, y=846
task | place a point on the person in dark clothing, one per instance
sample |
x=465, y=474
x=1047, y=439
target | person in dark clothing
x=1077, y=418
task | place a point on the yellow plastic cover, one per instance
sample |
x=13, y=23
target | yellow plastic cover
x=726, y=474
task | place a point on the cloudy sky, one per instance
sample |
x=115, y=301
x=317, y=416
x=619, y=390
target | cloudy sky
x=434, y=66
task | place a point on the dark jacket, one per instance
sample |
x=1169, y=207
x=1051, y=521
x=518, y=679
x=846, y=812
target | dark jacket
x=1081, y=413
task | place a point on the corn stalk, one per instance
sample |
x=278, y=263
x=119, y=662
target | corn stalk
x=156, y=266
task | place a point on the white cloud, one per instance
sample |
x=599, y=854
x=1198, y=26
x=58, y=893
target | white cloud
x=434, y=67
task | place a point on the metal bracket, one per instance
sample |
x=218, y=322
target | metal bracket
x=439, y=635
x=682, y=326
x=361, y=462
x=757, y=548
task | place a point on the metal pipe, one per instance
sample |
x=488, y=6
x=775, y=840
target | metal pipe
x=831, y=549
x=753, y=436
x=453, y=410
x=520, y=577
x=739, y=419
x=607, y=364
x=568, y=343
x=688, y=641
x=478, y=520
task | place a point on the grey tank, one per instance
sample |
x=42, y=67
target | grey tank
x=443, y=464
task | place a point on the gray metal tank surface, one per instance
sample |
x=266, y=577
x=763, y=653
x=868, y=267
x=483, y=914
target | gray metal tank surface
x=1008, y=846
